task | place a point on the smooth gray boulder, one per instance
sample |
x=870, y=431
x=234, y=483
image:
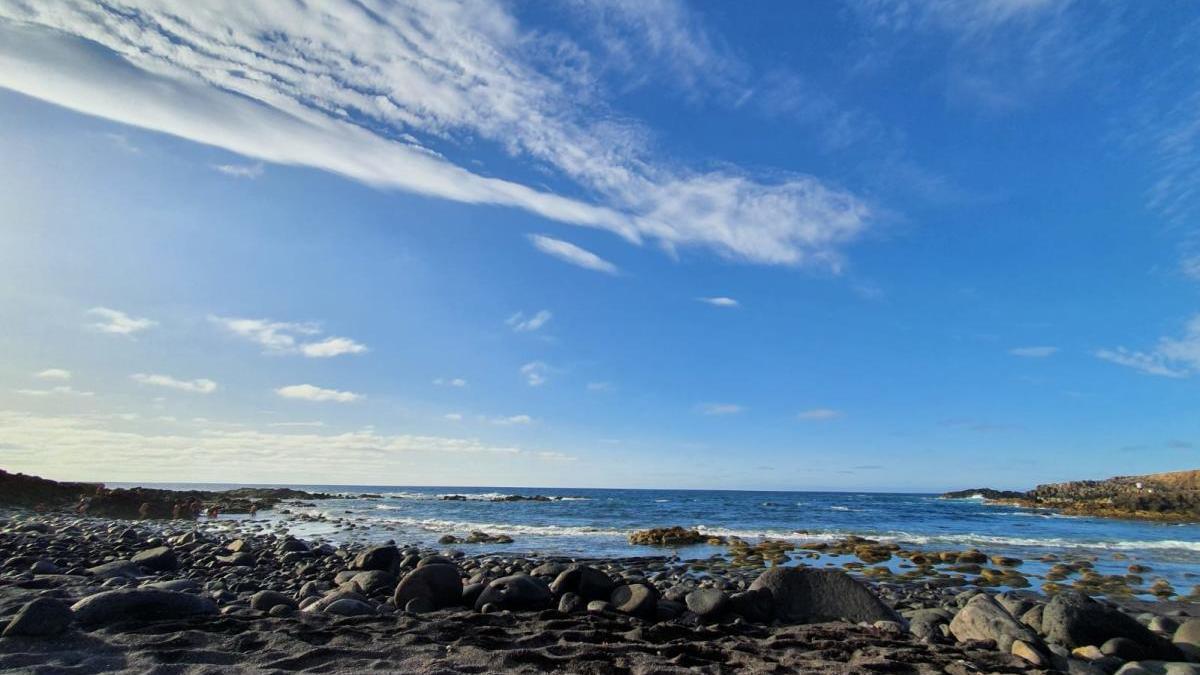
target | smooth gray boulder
x=518, y=592
x=264, y=601
x=707, y=602
x=588, y=582
x=809, y=595
x=437, y=582
x=117, y=569
x=43, y=617
x=1075, y=620
x=140, y=604
x=379, y=558
x=635, y=599
x=158, y=559
x=984, y=619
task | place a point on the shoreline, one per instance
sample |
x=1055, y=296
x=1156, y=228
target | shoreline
x=238, y=595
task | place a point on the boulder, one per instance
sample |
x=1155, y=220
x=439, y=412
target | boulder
x=120, y=569
x=518, y=592
x=140, y=604
x=1187, y=637
x=374, y=581
x=984, y=619
x=753, y=606
x=158, y=559
x=707, y=602
x=636, y=599
x=437, y=582
x=808, y=595
x=926, y=623
x=264, y=601
x=1158, y=668
x=382, y=558
x=1073, y=619
x=570, y=603
x=589, y=582
x=43, y=617
x=350, y=607
x=323, y=603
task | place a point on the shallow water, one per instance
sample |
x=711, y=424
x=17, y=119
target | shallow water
x=589, y=522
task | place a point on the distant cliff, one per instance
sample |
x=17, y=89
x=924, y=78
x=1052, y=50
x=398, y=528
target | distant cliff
x=1171, y=496
x=18, y=489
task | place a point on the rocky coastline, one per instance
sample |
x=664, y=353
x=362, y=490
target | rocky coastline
x=42, y=494
x=1167, y=497
x=87, y=594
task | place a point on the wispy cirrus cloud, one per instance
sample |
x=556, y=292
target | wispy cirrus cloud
x=309, y=392
x=535, y=373
x=527, y=324
x=720, y=409
x=572, y=254
x=818, y=414
x=1170, y=357
x=249, y=171
x=197, y=386
x=283, y=337
x=378, y=87
x=1039, y=352
x=719, y=301
x=53, y=374
x=61, y=390
x=117, y=322
x=450, y=382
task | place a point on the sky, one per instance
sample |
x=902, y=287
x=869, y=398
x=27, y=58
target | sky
x=872, y=245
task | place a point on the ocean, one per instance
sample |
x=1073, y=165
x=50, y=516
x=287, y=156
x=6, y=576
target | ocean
x=597, y=522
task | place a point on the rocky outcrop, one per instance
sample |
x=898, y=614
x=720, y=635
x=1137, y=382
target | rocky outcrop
x=1171, y=496
x=983, y=493
x=17, y=489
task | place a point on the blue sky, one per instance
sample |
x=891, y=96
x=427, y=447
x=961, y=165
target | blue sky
x=878, y=245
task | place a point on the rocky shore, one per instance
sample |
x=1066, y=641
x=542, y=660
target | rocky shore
x=1171, y=497
x=41, y=494
x=84, y=594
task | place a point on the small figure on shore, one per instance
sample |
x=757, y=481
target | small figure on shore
x=84, y=503
x=194, y=508
x=214, y=511
x=253, y=509
x=144, y=510
x=177, y=510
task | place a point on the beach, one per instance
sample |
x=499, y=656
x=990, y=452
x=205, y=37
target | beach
x=323, y=586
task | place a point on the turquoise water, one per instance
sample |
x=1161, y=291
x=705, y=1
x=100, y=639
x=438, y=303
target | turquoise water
x=589, y=522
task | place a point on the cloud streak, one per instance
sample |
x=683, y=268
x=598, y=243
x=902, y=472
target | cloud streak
x=197, y=386
x=572, y=254
x=117, y=322
x=282, y=337
x=1171, y=357
x=368, y=90
x=309, y=392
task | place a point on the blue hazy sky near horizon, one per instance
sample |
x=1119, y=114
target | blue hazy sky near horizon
x=943, y=245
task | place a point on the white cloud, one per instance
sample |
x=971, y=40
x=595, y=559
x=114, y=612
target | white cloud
x=1171, y=357
x=719, y=301
x=53, y=374
x=283, y=337
x=92, y=445
x=816, y=414
x=308, y=392
x=375, y=87
x=198, y=386
x=250, y=171
x=721, y=408
x=1034, y=352
x=599, y=386
x=535, y=373
x=572, y=254
x=512, y=420
x=453, y=417
x=520, y=324
x=334, y=346
x=288, y=425
x=556, y=456
x=64, y=390
x=117, y=322
x=450, y=382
